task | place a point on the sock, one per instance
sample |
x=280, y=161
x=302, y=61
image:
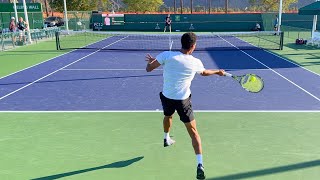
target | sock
x=199, y=159
x=166, y=135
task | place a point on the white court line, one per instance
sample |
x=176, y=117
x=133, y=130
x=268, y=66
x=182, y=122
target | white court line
x=58, y=70
x=83, y=69
x=315, y=97
x=35, y=65
x=48, y=60
x=291, y=62
x=160, y=111
x=108, y=69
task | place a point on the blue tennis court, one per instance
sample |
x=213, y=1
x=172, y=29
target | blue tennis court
x=106, y=80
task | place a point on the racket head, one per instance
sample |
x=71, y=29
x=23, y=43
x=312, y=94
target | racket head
x=252, y=83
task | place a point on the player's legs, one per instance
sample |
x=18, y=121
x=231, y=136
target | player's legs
x=168, y=111
x=184, y=109
x=196, y=143
x=165, y=27
x=167, y=122
x=194, y=135
x=186, y=115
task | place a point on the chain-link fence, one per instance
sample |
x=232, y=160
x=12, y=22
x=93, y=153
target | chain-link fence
x=79, y=20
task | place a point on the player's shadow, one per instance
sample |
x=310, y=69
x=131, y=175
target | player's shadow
x=263, y=172
x=118, y=164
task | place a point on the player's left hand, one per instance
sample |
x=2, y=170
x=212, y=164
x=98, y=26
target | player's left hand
x=150, y=59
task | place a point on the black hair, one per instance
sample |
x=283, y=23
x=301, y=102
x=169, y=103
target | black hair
x=188, y=40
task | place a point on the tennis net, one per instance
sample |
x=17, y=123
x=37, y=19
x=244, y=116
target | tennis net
x=168, y=41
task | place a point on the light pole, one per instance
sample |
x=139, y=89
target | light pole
x=314, y=24
x=280, y=15
x=66, y=15
x=27, y=21
x=15, y=10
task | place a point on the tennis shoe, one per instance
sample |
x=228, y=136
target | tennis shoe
x=168, y=142
x=200, y=172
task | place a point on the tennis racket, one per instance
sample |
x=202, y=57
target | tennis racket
x=249, y=82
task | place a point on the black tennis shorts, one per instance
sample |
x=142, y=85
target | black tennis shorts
x=183, y=107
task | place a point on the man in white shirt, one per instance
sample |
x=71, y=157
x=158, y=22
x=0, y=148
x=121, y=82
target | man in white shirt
x=107, y=20
x=179, y=69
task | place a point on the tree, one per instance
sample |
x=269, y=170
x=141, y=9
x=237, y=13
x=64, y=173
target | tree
x=272, y=5
x=76, y=5
x=143, y=5
x=46, y=7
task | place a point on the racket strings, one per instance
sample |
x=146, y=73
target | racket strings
x=252, y=83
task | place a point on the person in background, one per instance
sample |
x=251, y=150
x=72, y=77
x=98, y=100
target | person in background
x=12, y=29
x=275, y=23
x=257, y=27
x=22, y=25
x=168, y=23
x=107, y=20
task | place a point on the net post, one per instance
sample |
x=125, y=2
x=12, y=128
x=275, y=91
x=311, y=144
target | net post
x=281, y=40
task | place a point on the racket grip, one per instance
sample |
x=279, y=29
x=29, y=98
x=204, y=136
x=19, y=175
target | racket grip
x=228, y=74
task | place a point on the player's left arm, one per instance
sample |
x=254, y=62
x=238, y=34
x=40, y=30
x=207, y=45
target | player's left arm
x=152, y=63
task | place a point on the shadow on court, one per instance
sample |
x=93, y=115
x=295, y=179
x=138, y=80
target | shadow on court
x=299, y=47
x=264, y=172
x=119, y=164
x=82, y=79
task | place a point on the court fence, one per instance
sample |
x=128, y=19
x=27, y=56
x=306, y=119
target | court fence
x=10, y=40
x=35, y=19
x=294, y=33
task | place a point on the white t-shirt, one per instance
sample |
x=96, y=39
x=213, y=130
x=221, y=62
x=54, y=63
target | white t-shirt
x=107, y=21
x=178, y=71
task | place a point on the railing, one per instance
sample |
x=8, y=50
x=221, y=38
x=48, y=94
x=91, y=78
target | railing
x=9, y=40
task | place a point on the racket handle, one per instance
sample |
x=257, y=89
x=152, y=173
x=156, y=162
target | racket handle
x=228, y=74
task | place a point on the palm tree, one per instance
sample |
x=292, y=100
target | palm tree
x=181, y=5
x=226, y=6
x=46, y=7
x=191, y=5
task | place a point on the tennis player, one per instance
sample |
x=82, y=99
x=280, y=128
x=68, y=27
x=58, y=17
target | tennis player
x=179, y=69
x=168, y=23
